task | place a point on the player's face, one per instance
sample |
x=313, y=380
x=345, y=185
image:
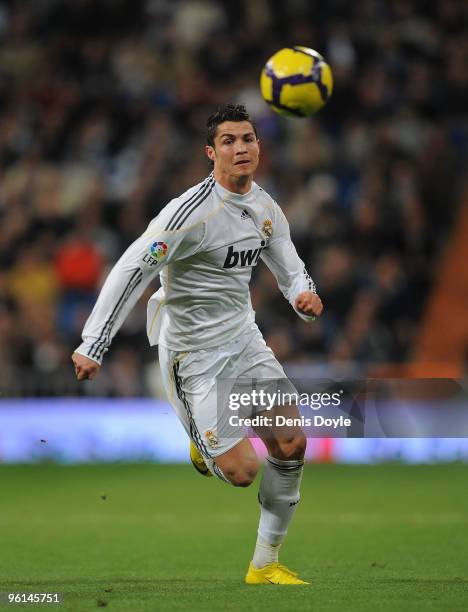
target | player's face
x=236, y=149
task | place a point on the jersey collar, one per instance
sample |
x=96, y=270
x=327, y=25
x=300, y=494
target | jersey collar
x=238, y=198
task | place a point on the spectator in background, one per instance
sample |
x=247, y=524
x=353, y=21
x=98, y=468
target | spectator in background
x=78, y=267
x=100, y=106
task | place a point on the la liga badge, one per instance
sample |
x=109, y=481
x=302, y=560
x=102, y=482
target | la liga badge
x=158, y=250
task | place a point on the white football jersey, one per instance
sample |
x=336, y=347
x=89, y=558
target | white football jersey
x=204, y=245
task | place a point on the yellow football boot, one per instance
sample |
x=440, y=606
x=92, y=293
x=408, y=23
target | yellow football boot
x=273, y=573
x=197, y=460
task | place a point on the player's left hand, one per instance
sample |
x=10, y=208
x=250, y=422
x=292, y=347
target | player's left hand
x=309, y=304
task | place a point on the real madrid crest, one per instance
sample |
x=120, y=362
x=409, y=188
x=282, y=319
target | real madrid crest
x=211, y=438
x=267, y=228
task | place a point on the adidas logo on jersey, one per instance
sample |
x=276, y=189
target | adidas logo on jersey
x=245, y=215
x=243, y=258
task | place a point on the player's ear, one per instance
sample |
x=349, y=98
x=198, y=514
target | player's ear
x=210, y=152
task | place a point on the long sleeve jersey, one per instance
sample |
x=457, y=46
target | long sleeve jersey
x=204, y=244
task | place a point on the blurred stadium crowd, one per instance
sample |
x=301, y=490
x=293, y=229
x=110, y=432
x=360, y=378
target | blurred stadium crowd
x=103, y=106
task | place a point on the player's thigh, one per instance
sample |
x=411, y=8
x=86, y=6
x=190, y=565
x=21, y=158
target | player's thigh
x=191, y=383
x=283, y=437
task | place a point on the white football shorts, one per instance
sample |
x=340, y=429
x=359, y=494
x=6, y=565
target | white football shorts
x=199, y=385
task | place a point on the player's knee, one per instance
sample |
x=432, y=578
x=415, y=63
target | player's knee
x=242, y=475
x=242, y=479
x=290, y=449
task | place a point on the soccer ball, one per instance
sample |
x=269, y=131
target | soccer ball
x=296, y=81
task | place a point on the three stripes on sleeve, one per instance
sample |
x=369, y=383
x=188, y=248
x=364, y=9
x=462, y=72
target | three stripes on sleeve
x=176, y=222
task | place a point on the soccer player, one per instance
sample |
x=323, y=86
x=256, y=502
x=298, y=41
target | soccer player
x=205, y=244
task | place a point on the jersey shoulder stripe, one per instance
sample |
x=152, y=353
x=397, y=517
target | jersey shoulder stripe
x=202, y=190
x=195, y=205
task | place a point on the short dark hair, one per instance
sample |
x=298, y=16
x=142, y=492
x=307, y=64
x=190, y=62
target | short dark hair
x=229, y=112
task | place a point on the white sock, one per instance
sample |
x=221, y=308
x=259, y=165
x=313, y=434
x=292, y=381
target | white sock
x=278, y=497
x=265, y=553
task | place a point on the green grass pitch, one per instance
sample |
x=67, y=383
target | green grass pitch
x=152, y=537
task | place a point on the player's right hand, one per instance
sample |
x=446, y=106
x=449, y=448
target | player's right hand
x=85, y=369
